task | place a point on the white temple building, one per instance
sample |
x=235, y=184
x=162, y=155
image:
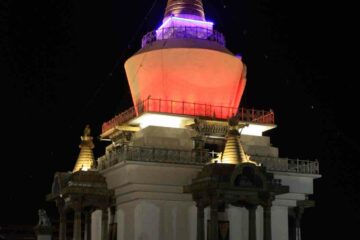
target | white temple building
x=186, y=162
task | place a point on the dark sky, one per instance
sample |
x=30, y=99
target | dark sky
x=61, y=65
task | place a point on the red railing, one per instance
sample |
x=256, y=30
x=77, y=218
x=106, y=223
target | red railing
x=190, y=109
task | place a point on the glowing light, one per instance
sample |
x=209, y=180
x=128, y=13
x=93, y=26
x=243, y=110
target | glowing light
x=85, y=169
x=175, y=26
x=165, y=23
x=176, y=21
x=179, y=121
x=256, y=129
x=161, y=120
x=169, y=74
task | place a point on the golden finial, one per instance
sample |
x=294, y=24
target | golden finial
x=183, y=8
x=234, y=152
x=86, y=158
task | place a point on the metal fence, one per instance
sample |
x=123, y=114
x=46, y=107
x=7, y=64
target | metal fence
x=190, y=109
x=288, y=165
x=183, y=32
x=199, y=157
x=159, y=155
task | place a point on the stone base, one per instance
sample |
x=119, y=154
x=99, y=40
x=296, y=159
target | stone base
x=43, y=232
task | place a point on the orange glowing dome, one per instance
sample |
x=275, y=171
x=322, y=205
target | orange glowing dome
x=185, y=60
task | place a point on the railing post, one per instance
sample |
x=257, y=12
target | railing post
x=153, y=154
x=297, y=165
x=312, y=168
x=132, y=153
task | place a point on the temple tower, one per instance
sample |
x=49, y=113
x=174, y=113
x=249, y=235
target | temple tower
x=168, y=150
x=185, y=60
x=81, y=194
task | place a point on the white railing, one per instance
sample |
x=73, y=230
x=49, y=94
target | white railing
x=183, y=32
x=146, y=154
x=288, y=165
x=199, y=157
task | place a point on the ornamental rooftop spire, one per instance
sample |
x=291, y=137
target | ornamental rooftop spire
x=190, y=9
x=234, y=152
x=86, y=159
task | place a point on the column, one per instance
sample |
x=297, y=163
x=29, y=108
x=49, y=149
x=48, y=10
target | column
x=252, y=221
x=214, y=226
x=113, y=224
x=87, y=234
x=267, y=221
x=298, y=214
x=62, y=224
x=104, y=224
x=77, y=223
x=292, y=224
x=200, y=222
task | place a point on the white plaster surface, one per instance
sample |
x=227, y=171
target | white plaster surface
x=151, y=204
x=43, y=237
x=96, y=225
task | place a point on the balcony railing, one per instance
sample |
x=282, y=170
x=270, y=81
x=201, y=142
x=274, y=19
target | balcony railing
x=288, y=165
x=146, y=154
x=190, y=109
x=183, y=32
x=199, y=157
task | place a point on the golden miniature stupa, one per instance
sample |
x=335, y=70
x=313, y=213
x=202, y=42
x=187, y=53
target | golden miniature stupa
x=86, y=158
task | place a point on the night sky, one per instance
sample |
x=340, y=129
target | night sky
x=61, y=67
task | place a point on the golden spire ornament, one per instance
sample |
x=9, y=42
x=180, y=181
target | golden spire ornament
x=234, y=152
x=86, y=158
x=192, y=9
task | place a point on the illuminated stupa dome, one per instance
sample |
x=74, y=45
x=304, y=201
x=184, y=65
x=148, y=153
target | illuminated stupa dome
x=185, y=60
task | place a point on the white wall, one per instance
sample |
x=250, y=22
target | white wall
x=43, y=237
x=151, y=203
x=120, y=220
x=260, y=223
x=279, y=223
x=96, y=225
x=147, y=218
x=238, y=225
x=192, y=221
x=156, y=220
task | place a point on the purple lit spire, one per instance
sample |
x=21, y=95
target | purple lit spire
x=184, y=19
x=190, y=9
